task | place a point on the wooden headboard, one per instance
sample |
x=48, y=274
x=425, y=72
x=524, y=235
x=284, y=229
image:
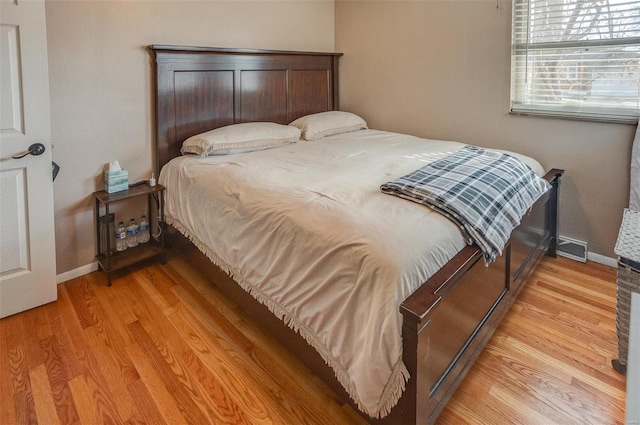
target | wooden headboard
x=199, y=89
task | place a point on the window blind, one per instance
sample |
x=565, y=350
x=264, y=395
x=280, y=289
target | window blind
x=577, y=59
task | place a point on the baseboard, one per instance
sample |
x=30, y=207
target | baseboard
x=601, y=259
x=80, y=271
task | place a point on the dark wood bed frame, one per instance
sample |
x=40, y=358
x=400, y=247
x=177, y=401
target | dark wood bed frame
x=449, y=319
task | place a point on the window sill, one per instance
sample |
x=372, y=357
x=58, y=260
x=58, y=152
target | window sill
x=576, y=117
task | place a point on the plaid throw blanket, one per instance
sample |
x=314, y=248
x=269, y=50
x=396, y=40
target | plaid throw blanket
x=484, y=192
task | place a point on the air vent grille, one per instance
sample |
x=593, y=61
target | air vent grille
x=572, y=248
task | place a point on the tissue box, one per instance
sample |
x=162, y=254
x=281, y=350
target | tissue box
x=115, y=181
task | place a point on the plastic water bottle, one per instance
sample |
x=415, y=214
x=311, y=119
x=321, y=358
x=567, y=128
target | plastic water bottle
x=132, y=233
x=121, y=237
x=143, y=230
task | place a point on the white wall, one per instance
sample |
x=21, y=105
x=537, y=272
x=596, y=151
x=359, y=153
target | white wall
x=101, y=85
x=440, y=69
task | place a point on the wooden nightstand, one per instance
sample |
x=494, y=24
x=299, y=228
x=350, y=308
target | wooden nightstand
x=111, y=261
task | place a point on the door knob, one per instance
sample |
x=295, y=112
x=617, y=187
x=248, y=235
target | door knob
x=35, y=150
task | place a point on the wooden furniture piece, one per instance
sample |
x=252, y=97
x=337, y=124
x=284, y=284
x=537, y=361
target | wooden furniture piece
x=113, y=261
x=449, y=319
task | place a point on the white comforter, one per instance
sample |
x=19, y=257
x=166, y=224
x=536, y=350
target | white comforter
x=305, y=229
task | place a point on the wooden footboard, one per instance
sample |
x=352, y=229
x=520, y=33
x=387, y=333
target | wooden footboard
x=450, y=318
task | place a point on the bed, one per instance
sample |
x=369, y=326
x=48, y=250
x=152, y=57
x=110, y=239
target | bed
x=442, y=331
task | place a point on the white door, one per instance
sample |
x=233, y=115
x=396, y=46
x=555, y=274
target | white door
x=27, y=239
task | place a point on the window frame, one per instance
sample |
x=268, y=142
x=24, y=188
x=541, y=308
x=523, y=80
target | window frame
x=522, y=49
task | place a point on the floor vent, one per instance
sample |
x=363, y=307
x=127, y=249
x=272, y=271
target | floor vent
x=571, y=248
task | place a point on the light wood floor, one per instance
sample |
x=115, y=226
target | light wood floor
x=163, y=346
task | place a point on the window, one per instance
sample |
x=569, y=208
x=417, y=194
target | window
x=579, y=59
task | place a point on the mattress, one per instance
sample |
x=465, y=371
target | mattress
x=305, y=229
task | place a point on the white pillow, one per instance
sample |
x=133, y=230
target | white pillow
x=322, y=124
x=237, y=138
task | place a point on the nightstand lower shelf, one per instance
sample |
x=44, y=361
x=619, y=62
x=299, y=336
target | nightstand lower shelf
x=130, y=256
